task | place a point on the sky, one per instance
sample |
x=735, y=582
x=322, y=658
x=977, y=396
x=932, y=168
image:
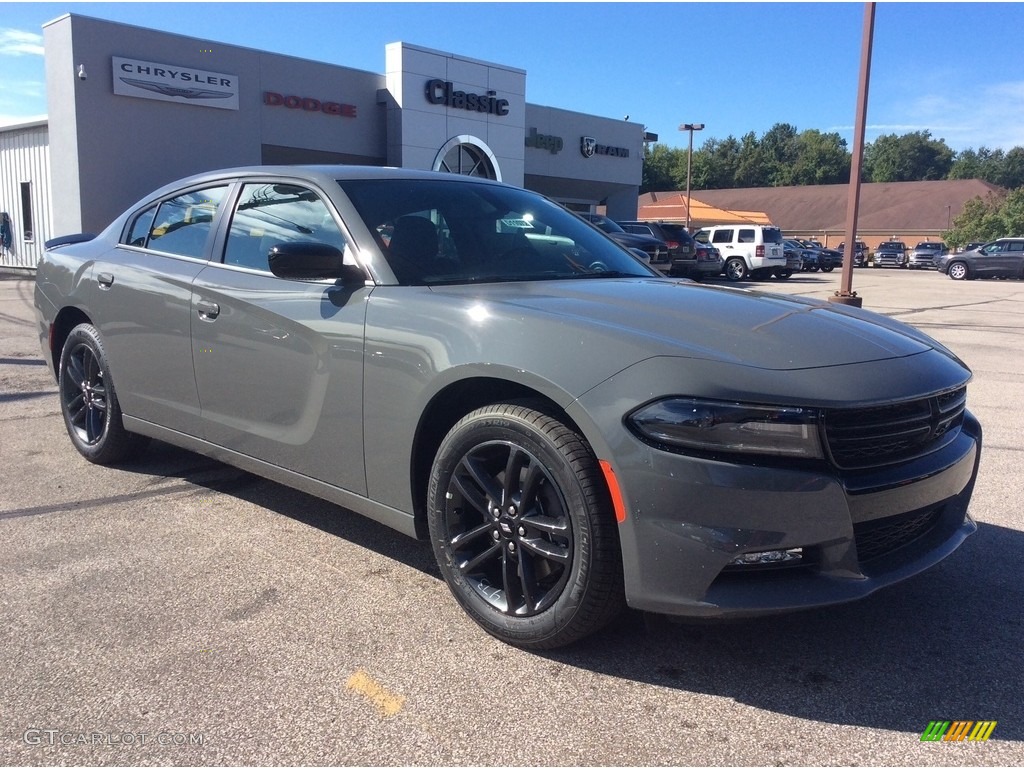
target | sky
x=953, y=69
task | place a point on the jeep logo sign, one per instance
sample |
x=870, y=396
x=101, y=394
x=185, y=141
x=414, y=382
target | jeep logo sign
x=589, y=147
x=552, y=144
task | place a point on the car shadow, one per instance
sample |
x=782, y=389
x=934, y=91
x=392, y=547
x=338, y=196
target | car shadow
x=945, y=645
x=164, y=460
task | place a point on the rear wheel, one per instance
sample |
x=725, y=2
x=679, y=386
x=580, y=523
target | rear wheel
x=827, y=269
x=522, y=527
x=88, y=401
x=958, y=271
x=736, y=269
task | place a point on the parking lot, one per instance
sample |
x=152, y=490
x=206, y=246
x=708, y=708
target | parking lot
x=179, y=611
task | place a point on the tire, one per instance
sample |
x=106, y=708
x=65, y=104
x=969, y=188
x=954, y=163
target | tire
x=958, y=271
x=784, y=274
x=736, y=269
x=827, y=269
x=88, y=401
x=532, y=555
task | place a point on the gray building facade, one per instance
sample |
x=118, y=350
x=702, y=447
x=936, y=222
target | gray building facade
x=131, y=109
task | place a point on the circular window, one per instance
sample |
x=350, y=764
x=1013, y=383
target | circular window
x=467, y=156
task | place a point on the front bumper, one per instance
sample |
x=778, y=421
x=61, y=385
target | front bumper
x=858, y=533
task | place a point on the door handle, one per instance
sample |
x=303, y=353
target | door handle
x=208, y=310
x=105, y=279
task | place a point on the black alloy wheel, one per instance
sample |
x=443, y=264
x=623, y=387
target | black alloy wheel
x=88, y=402
x=522, y=527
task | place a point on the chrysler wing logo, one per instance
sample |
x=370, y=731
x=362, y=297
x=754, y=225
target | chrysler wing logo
x=588, y=146
x=170, y=90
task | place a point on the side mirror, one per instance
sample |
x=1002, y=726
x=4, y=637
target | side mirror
x=312, y=261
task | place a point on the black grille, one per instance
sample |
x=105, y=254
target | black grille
x=880, y=537
x=871, y=437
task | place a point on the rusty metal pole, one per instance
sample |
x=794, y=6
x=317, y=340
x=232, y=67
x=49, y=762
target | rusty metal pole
x=846, y=294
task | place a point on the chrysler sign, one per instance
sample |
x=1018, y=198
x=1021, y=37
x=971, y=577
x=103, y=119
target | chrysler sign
x=170, y=82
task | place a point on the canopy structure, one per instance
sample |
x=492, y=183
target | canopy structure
x=672, y=207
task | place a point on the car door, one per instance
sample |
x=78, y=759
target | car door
x=279, y=362
x=992, y=259
x=142, y=306
x=1013, y=259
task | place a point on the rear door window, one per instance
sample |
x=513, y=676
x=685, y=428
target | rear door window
x=182, y=224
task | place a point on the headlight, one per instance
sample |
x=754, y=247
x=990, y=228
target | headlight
x=706, y=425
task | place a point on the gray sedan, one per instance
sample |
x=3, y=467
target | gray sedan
x=470, y=363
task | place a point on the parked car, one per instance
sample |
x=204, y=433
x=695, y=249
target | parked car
x=748, y=249
x=892, y=253
x=709, y=261
x=972, y=246
x=1002, y=258
x=652, y=246
x=675, y=236
x=682, y=256
x=571, y=431
x=926, y=255
x=828, y=258
x=806, y=258
x=794, y=263
x=861, y=254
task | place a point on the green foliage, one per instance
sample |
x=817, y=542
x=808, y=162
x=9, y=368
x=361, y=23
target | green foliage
x=985, y=220
x=911, y=157
x=784, y=156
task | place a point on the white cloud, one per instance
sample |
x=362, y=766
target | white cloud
x=991, y=116
x=17, y=42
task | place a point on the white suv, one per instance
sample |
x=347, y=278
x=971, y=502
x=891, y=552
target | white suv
x=747, y=249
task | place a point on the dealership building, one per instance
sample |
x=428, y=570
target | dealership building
x=130, y=109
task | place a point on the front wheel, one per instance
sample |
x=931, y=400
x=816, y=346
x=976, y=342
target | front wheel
x=784, y=274
x=88, y=401
x=522, y=527
x=958, y=270
x=736, y=269
x=827, y=269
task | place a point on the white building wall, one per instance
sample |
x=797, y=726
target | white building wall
x=25, y=157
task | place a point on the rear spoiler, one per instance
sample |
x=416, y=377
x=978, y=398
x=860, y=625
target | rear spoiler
x=57, y=242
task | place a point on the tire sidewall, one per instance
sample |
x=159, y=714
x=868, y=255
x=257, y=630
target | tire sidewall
x=108, y=447
x=483, y=426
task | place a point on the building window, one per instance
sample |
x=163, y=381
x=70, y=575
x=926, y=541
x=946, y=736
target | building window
x=26, y=210
x=467, y=156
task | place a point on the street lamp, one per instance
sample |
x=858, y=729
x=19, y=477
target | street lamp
x=690, y=127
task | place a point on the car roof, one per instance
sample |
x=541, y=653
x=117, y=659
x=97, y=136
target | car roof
x=322, y=174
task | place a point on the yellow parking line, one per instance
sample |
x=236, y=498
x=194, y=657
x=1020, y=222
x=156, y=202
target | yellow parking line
x=388, y=703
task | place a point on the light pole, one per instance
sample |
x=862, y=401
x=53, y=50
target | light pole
x=690, y=127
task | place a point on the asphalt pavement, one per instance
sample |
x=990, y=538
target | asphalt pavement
x=177, y=611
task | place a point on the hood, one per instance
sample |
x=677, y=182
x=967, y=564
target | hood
x=636, y=319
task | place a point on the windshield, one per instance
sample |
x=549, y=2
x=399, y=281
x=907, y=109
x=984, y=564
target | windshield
x=928, y=246
x=436, y=231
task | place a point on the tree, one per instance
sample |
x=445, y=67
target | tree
x=987, y=219
x=911, y=157
x=752, y=170
x=659, y=168
x=821, y=158
x=780, y=152
x=1012, y=173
